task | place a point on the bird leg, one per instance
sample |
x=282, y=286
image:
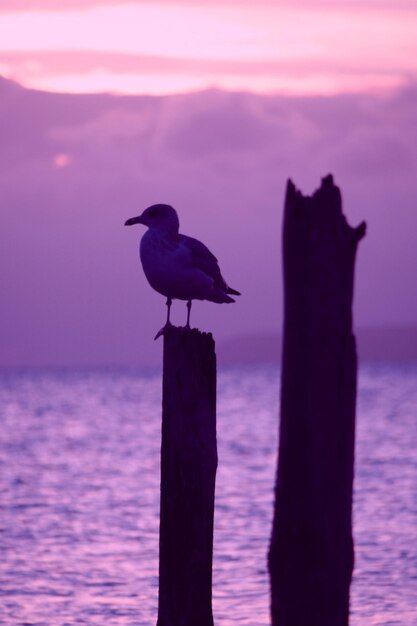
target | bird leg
x=167, y=323
x=168, y=303
x=189, y=302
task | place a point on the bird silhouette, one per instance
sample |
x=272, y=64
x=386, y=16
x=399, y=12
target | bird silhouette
x=178, y=266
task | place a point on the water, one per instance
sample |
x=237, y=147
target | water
x=79, y=462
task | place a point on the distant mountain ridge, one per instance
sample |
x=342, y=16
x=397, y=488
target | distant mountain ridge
x=375, y=345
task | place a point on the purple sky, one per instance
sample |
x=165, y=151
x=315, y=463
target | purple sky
x=74, y=168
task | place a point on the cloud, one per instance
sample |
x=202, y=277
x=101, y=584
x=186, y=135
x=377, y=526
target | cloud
x=69, y=271
x=76, y=61
x=95, y=71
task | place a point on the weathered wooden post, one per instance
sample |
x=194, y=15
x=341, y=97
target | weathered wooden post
x=311, y=550
x=188, y=472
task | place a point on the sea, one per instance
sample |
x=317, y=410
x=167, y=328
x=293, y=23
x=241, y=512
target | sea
x=79, y=481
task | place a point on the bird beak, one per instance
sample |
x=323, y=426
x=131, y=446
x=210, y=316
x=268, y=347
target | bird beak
x=134, y=220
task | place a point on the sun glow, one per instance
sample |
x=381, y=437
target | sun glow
x=62, y=160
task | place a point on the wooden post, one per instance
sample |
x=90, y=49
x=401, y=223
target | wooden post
x=188, y=472
x=311, y=551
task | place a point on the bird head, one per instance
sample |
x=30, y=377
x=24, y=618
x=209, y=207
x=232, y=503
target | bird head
x=161, y=216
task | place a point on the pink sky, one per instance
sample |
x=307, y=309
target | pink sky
x=163, y=47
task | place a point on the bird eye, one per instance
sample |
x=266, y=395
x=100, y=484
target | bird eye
x=155, y=212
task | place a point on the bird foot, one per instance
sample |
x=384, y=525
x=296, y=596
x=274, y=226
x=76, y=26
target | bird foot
x=163, y=330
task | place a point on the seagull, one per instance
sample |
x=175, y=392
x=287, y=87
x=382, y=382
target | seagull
x=177, y=266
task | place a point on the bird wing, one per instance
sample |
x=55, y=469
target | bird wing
x=204, y=260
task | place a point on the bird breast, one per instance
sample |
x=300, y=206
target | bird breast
x=169, y=268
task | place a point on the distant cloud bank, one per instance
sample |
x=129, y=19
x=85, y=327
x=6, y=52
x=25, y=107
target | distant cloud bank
x=74, y=168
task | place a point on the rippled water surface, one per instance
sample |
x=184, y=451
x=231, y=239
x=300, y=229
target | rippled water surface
x=79, y=462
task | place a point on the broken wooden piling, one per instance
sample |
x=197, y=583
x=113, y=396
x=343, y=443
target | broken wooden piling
x=311, y=550
x=188, y=472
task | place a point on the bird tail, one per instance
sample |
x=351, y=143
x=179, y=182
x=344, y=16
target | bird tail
x=219, y=296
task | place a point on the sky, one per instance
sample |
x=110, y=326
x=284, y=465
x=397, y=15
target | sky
x=312, y=46
x=211, y=113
